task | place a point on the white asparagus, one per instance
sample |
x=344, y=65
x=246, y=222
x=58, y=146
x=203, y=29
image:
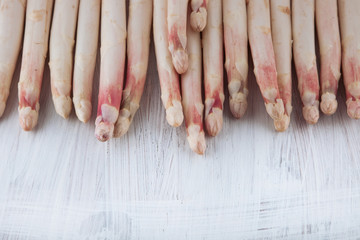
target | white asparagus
x=176, y=19
x=263, y=55
x=198, y=16
x=12, y=14
x=191, y=94
x=85, y=57
x=139, y=28
x=113, y=47
x=213, y=68
x=169, y=79
x=282, y=42
x=236, y=51
x=303, y=28
x=327, y=25
x=62, y=40
x=35, y=47
x=350, y=37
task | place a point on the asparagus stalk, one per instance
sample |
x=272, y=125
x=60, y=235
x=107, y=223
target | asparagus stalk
x=139, y=27
x=12, y=15
x=113, y=45
x=350, y=36
x=327, y=26
x=62, y=40
x=198, y=16
x=263, y=55
x=176, y=18
x=169, y=79
x=236, y=51
x=191, y=94
x=213, y=68
x=303, y=27
x=282, y=40
x=35, y=47
x=85, y=57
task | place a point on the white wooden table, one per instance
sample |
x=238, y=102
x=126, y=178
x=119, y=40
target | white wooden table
x=60, y=182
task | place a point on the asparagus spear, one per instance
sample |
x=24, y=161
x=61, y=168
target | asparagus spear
x=236, y=51
x=198, y=16
x=12, y=15
x=176, y=18
x=62, y=40
x=282, y=40
x=85, y=57
x=350, y=36
x=139, y=27
x=303, y=28
x=113, y=45
x=263, y=55
x=213, y=68
x=327, y=26
x=191, y=94
x=35, y=47
x=169, y=79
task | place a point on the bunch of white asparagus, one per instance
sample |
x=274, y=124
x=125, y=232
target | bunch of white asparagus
x=189, y=37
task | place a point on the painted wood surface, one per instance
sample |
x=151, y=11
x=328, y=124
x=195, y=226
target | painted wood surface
x=60, y=182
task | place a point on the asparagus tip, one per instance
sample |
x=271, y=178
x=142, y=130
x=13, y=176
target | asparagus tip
x=311, y=114
x=198, y=19
x=196, y=139
x=214, y=122
x=104, y=131
x=328, y=103
x=174, y=114
x=180, y=61
x=28, y=118
x=353, y=108
x=238, y=105
x=63, y=105
x=82, y=109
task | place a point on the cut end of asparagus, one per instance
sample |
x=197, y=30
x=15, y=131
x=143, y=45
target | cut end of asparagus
x=196, y=139
x=282, y=124
x=353, y=108
x=63, y=105
x=198, y=19
x=123, y=123
x=2, y=107
x=104, y=130
x=238, y=105
x=174, y=114
x=214, y=122
x=328, y=103
x=83, y=109
x=311, y=114
x=28, y=118
x=180, y=61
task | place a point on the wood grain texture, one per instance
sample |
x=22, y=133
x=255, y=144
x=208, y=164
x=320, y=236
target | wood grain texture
x=59, y=182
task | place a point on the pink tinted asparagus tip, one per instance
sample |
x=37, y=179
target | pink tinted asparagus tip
x=105, y=122
x=174, y=114
x=198, y=19
x=180, y=61
x=328, y=103
x=353, y=108
x=104, y=130
x=28, y=118
x=196, y=139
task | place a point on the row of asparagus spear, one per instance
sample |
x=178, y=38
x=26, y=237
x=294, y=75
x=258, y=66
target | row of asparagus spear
x=189, y=37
